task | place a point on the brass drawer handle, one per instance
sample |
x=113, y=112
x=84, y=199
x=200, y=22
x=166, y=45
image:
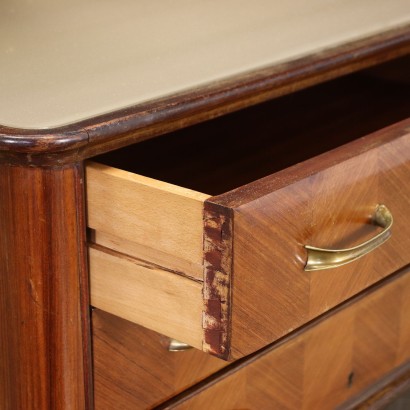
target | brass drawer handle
x=318, y=259
x=177, y=346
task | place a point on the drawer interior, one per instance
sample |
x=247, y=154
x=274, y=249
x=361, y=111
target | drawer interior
x=224, y=153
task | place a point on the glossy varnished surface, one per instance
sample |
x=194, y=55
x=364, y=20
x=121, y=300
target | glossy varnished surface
x=67, y=61
x=44, y=329
x=327, y=202
x=331, y=361
x=133, y=368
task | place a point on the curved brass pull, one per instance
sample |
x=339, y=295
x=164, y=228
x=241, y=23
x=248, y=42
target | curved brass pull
x=319, y=259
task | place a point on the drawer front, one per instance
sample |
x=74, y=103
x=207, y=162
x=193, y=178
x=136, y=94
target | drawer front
x=324, y=365
x=253, y=288
x=133, y=368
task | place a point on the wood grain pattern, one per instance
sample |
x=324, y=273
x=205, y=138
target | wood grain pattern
x=44, y=329
x=327, y=202
x=154, y=214
x=142, y=293
x=320, y=367
x=144, y=253
x=145, y=372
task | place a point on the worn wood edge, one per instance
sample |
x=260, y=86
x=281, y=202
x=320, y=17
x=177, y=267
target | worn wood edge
x=157, y=214
x=382, y=392
x=261, y=187
x=218, y=257
x=126, y=126
x=151, y=297
x=39, y=141
x=245, y=361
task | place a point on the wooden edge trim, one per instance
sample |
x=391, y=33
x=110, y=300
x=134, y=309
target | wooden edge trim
x=143, y=121
x=84, y=288
x=245, y=89
x=39, y=141
x=218, y=233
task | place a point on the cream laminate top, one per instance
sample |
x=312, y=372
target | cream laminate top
x=68, y=60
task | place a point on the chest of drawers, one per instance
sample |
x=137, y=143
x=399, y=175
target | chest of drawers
x=239, y=182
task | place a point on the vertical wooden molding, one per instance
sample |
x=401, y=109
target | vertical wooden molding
x=44, y=324
x=84, y=287
x=218, y=227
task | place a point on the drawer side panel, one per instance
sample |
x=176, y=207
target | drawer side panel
x=153, y=215
x=143, y=294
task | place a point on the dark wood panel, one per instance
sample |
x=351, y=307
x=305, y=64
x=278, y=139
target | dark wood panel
x=44, y=330
x=133, y=368
x=333, y=360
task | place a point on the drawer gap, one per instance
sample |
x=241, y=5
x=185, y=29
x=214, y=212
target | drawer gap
x=224, y=153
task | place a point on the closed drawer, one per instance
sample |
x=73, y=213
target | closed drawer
x=134, y=369
x=329, y=363
x=225, y=273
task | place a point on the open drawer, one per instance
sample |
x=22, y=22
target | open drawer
x=226, y=273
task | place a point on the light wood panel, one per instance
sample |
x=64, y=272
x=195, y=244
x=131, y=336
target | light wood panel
x=153, y=214
x=145, y=372
x=154, y=298
x=326, y=364
x=144, y=253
